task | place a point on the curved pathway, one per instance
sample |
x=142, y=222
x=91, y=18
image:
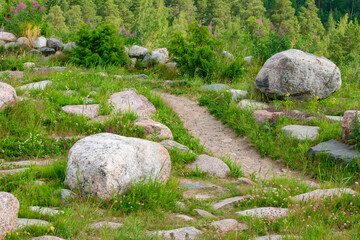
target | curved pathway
x=221, y=141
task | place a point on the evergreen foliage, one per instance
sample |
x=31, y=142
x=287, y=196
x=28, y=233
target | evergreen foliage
x=56, y=19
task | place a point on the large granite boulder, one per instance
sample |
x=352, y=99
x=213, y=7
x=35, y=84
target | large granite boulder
x=105, y=164
x=129, y=100
x=302, y=75
x=138, y=52
x=40, y=42
x=7, y=37
x=8, y=95
x=9, y=209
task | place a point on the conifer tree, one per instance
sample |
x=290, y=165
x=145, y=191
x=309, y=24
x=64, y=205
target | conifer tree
x=56, y=19
x=310, y=23
x=331, y=24
x=112, y=14
x=89, y=11
x=218, y=13
x=283, y=15
x=125, y=13
x=185, y=17
x=73, y=16
x=251, y=13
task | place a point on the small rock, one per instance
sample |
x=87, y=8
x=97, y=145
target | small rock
x=47, y=51
x=90, y=111
x=184, y=217
x=50, y=69
x=171, y=66
x=133, y=61
x=70, y=46
x=270, y=237
x=335, y=118
x=215, y=87
x=46, y=211
x=301, y=132
x=54, y=43
x=8, y=96
x=252, y=104
x=29, y=65
x=34, y=52
x=228, y=225
x=2, y=43
x=153, y=128
x=65, y=195
x=347, y=122
x=23, y=42
x=204, y=213
x=213, y=166
x=46, y=238
x=170, y=144
x=265, y=212
x=180, y=234
x=203, y=197
x=23, y=222
x=40, y=42
x=261, y=116
x=105, y=224
x=175, y=82
x=36, y=85
x=228, y=55
x=15, y=74
x=228, y=201
x=9, y=209
x=10, y=45
x=39, y=183
x=245, y=181
x=101, y=74
x=249, y=60
x=146, y=61
x=137, y=51
x=132, y=76
x=7, y=37
x=180, y=204
x=237, y=94
x=159, y=56
x=12, y=171
x=323, y=193
x=194, y=186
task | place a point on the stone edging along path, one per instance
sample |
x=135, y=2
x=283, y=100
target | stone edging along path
x=222, y=141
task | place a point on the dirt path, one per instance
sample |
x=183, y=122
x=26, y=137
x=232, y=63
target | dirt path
x=221, y=141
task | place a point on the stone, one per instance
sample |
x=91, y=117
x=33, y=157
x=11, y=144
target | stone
x=39, y=183
x=29, y=163
x=50, y=69
x=228, y=201
x=14, y=74
x=8, y=96
x=261, y=116
x=54, y=43
x=252, y=104
x=228, y=55
x=171, y=66
x=23, y=42
x=137, y=51
x=90, y=111
x=40, y=42
x=347, y=122
x=175, y=82
x=245, y=181
x=265, y=212
x=34, y=52
x=301, y=132
x=127, y=50
x=36, y=85
x=70, y=46
x=249, y=60
x=170, y=144
x=46, y=238
x=11, y=45
x=133, y=61
x=112, y=225
x=159, y=56
x=23, y=222
x=132, y=76
x=334, y=118
x=302, y=75
x=336, y=151
x=184, y=217
x=46, y=211
x=270, y=237
x=101, y=74
x=59, y=54
x=213, y=166
x=9, y=209
x=228, y=225
x=237, y=94
x=218, y=87
x=131, y=101
x=194, y=185
x=146, y=61
x=105, y=164
x=29, y=65
x=204, y=213
x=7, y=37
x=203, y=197
x=2, y=43
x=12, y=171
x=65, y=195
x=154, y=129
x=47, y=51
x=323, y=193
x=185, y=233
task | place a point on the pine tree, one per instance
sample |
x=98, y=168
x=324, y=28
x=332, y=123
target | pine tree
x=112, y=14
x=331, y=24
x=89, y=11
x=218, y=14
x=251, y=13
x=310, y=23
x=126, y=14
x=283, y=15
x=185, y=17
x=73, y=17
x=201, y=6
x=56, y=19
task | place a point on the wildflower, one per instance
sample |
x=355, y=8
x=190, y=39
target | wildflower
x=317, y=98
x=11, y=10
x=52, y=228
x=315, y=38
x=210, y=26
x=285, y=29
x=42, y=9
x=16, y=12
x=259, y=32
x=6, y=18
x=35, y=5
x=200, y=24
x=260, y=21
x=280, y=32
x=272, y=27
x=287, y=95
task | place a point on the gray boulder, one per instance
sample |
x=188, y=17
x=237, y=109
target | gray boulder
x=54, y=43
x=154, y=129
x=9, y=209
x=180, y=233
x=266, y=212
x=90, y=111
x=302, y=75
x=159, y=56
x=10, y=45
x=34, y=52
x=47, y=51
x=138, y=52
x=8, y=95
x=301, y=132
x=213, y=166
x=170, y=144
x=105, y=164
x=36, y=85
x=7, y=37
x=40, y=42
x=46, y=238
x=147, y=60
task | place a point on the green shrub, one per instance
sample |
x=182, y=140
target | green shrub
x=99, y=47
x=354, y=136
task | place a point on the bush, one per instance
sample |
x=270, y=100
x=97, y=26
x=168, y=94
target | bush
x=99, y=47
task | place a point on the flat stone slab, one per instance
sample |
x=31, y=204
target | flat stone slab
x=194, y=185
x=15, y=74
x=90, y=111
x=204, y=213
x=106, y=224
x=215, y=87
x=228, y=201
x=270, y=237
x=252, y=104
x=46, y=211
x=175, y=82
x=29, y=163
x=301, y=132
x=132, y=76
x=180, y=233
x=153, y=128
x=203, y=197
x=229, y=225
x=49, y=69
x=65, y=195
x=170, y=144
x=46, y=238
x=335, y=118
x=36, y=85
x=337, y=151
x=236, y=94
x=23, y=222
x=12, y=171
x=265, y=212
x=245, y=181
x=212, y=165
x=323, y=193
x=184, y=217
